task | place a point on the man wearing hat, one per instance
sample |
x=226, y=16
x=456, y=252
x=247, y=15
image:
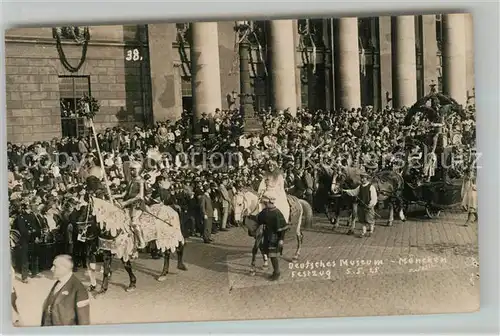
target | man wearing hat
x=366, y=195
x=204, y=126
x=274, y=227
x=30, y=230
x=207, y=213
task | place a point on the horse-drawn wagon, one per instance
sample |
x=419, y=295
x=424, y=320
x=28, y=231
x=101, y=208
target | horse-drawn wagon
x=434, y=196
x=437, y=189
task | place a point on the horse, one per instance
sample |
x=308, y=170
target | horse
x=105, y=228
x=389, y=185
x=246, y=208
x=333, y=204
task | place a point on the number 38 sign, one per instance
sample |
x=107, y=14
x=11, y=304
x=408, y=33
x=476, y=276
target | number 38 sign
x=133, y=55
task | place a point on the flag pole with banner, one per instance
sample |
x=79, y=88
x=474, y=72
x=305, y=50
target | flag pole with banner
x=89, y=113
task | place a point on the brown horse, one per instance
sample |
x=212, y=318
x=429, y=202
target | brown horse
x=389, y=185
x=333, y=203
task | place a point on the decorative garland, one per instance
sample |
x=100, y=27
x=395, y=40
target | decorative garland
x=88, y=107
x=74, y=33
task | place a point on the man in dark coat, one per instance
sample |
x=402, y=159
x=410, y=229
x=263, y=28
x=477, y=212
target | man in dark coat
x=190, y=212
x=274, y=227
x=207, y=213
x=68, y=300
x=204, y=126
x=30, y=229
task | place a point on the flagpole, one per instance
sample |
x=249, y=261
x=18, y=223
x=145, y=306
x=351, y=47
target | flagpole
x=94, y=133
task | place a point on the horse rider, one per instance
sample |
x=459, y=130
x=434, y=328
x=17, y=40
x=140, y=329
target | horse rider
x=273, y=183
x=133, y=200
x=274, y=228
x=366, y=195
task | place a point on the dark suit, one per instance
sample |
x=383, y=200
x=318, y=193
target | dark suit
x=208, y=211
x=69, y=306
x=29, y=229
x=189, y=215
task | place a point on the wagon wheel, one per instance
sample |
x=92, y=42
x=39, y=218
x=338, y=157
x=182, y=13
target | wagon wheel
x=432, y=212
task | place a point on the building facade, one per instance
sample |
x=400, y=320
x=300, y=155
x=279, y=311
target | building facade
x=146, y=73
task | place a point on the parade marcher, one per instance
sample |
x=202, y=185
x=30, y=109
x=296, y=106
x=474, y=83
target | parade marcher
x=274, y=227
x=68, y=301
x=469, y=197
x=367, y=199
x=133, y=200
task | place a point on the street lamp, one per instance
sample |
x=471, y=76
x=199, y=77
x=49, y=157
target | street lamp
x=252, y=123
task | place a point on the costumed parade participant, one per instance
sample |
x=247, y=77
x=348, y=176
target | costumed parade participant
x=469, y=197
x=274, y=228
x=367, y=198
x=273, y=184
x=133, y=200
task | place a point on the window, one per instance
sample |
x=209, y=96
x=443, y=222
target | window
x=314, y=27
x=365, y=33
x=187, y=94
x=71, y=90
x=419, y=55
x=259, y=91
x=186, y=88
x=183, y=33
x=304, y=86
x=367, y=48
x=439, y=32
x=439, y=87
x=260, y=37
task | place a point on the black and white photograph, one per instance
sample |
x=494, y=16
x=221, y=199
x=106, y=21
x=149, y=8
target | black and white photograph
x=242, y=170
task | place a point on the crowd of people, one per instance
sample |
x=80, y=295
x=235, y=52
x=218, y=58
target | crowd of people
x=215, y=157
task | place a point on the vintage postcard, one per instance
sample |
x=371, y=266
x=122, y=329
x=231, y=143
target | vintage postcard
x=198, y=171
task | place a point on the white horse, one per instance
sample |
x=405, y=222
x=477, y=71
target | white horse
x=247, y=207
x=108, y=226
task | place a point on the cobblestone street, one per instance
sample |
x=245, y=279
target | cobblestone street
x=421, y=266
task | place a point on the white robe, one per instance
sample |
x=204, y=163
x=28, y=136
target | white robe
x=469, y=195
x=275, y=185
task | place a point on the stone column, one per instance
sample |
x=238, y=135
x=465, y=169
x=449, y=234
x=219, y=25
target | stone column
x=282, y=55
x=469, y=52
x=454, y=58
x=348, y=83
x=404, y=63
x=167, y=103
x=205, y=74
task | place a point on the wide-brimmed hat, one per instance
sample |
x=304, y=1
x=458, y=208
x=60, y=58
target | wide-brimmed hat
x=364, y=174
x=268, y=197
